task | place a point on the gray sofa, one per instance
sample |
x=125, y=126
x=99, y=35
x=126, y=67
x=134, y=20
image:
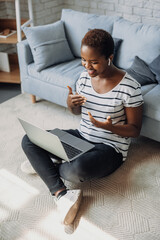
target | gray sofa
x=49, y=59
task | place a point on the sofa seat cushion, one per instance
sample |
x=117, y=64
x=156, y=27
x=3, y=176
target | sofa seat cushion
x=77, y=24
x=151, y=103
x=146, y=88
x=138, y=39
x=61, y=75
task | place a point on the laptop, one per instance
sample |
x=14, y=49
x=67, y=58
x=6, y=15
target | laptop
x=58, y=142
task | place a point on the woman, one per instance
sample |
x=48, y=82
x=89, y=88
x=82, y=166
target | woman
x=110, y=102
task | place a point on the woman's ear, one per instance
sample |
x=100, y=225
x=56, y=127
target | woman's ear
x=111, y=57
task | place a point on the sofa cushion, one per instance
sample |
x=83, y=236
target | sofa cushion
x=140, y=71
x=60, y=75
x=77, y=25
x=139, y=39
x=151, y=103
x=48, y=44
x=155, y=67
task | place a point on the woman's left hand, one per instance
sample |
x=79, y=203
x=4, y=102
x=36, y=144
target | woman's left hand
x=105, y=125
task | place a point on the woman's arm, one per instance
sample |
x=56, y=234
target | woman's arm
x=75, y=102
x=132, y=127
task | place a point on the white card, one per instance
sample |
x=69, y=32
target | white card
x=4, y=62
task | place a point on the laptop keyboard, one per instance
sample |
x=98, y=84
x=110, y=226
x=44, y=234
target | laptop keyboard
x=70, y=150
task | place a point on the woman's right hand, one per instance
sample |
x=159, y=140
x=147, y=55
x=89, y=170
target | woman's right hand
x=75, y=100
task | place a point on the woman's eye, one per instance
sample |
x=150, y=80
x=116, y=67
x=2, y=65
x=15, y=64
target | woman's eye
x=83, y=60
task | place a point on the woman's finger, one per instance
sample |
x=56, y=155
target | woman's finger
x=78, y=102
x=89, y=114
x=70, y=90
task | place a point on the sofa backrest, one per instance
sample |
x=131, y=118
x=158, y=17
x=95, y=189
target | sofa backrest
x=138, y=39
x=77, y=24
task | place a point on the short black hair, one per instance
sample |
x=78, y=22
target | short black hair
x=99, y=39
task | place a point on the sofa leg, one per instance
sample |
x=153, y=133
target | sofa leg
x=33, y=98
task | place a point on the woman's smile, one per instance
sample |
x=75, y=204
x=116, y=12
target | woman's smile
x=91, y=72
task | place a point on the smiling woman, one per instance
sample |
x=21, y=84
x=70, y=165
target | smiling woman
x=116, y=87
x=110, y=103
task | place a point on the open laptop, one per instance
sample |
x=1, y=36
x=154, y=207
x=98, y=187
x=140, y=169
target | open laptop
x=58, y=142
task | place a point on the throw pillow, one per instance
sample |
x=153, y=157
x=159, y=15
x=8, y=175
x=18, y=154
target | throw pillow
x=117, y=43
x=140, y=71
x=48, y=44
x=139, y=39
x=155, y=67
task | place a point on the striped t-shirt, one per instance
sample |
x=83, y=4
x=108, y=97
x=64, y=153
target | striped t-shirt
x=126, y=94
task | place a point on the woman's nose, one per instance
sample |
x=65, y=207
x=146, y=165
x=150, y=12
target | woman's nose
x=87, y=65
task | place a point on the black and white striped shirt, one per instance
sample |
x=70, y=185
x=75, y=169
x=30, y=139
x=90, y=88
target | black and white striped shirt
x=126, y=94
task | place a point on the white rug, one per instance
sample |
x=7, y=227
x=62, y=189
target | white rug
x=123, y=206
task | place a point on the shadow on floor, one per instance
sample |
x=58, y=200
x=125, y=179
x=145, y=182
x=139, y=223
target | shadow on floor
x=9, y=90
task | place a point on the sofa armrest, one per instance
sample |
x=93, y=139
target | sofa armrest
x=25, y=57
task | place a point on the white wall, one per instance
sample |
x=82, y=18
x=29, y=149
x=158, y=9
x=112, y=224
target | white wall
x=47, y=11
x=145, y=11
x=3, y=10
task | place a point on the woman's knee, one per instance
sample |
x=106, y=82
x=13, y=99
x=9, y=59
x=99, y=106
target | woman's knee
x=72, y=172
x=81, y=172
x=25, y=142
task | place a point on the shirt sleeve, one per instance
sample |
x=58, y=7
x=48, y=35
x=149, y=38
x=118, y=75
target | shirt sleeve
x=134, y=99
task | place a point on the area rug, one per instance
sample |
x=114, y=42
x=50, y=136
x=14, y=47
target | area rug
x=122, y=206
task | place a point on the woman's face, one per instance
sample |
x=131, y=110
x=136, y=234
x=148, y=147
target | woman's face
x=95, y=64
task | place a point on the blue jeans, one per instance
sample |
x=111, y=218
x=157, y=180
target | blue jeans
x=99, y=162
